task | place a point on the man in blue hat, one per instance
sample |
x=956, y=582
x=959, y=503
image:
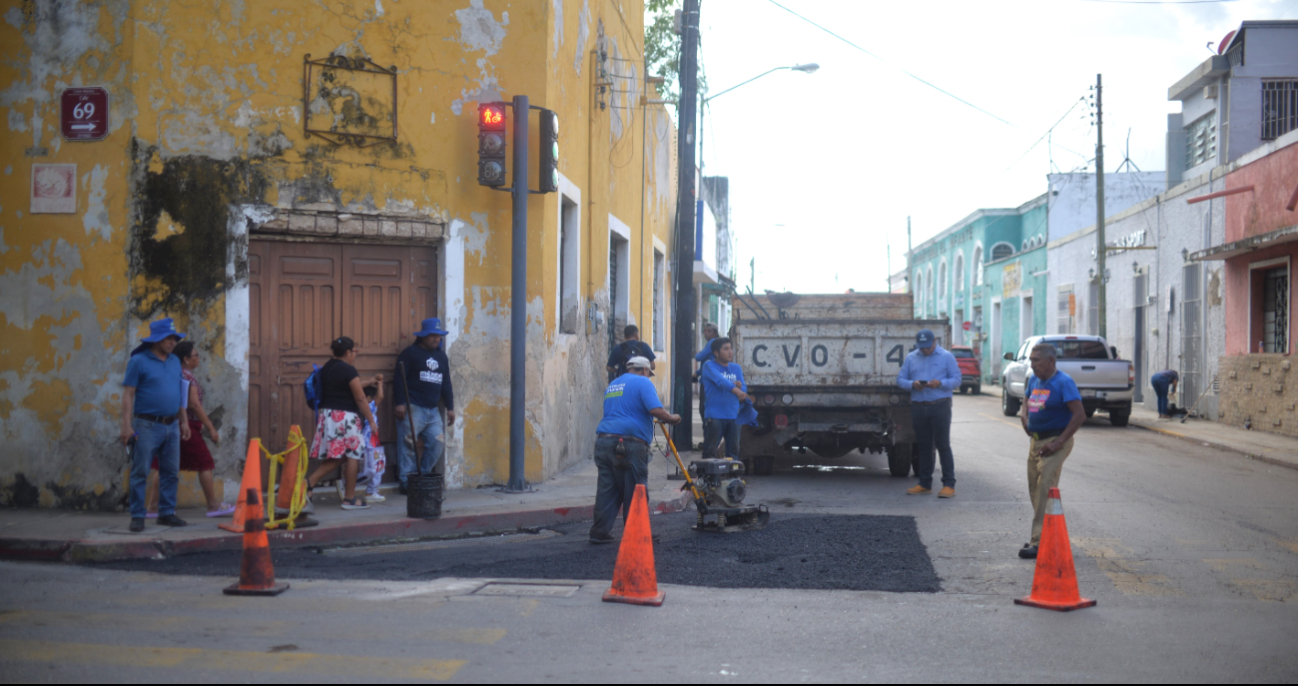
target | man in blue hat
x=425, y=384
x=153, y=421
x=931, y=374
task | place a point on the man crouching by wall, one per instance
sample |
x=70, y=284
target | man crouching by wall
x=622, y=444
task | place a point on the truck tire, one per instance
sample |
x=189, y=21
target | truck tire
x=1119, y=418
x=900, y=456
x=1009, y=404
x=978, y=389
x=764, y=465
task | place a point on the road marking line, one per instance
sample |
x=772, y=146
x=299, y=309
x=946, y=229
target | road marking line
x=228, y=660
x=1128, y=576
x=1273, y=591
x=1018, y=425
x=144, y=622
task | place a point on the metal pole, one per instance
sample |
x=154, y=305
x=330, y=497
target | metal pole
x=1101, y=252
x=683, y=336
x=909, y=277
x=518, y=305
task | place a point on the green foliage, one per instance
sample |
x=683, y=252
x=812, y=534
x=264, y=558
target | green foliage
x=662, y=45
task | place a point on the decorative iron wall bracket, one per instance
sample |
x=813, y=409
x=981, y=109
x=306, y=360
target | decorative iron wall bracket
x=355, y=64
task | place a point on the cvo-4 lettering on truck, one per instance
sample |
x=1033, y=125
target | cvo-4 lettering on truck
x=822, y=371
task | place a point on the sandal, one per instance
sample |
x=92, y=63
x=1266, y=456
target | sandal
x=225, y=510
x=355, y=504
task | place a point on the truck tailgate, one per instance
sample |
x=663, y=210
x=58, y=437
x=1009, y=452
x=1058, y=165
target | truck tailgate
x=1099, y=374
x=823, y=353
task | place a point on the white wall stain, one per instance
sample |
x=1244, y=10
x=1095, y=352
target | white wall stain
x=583, y=36
x=475, y=236
x=488, y=89
x=3, y=248
x=17, y=122
x=96, y=216
x=558, y=27
x=479, y=29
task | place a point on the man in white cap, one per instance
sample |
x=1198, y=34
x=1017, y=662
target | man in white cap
x=622, y=443
x=931, y=374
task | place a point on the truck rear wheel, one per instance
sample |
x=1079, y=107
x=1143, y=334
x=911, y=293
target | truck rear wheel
x=900, y=456
x=1009, y=404
x=1119, y=417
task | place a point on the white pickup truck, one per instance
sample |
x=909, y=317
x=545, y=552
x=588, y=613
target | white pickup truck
x=822, y=371
x=1106, y=382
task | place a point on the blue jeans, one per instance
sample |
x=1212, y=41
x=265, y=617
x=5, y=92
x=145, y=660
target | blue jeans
x=618, y=476
x=428, y=426
x=1161, y=388
x=163, y=441
x=932, y=425
x=717, y=430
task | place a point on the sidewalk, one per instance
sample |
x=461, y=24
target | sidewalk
x=61, y=535
x=1259, y=445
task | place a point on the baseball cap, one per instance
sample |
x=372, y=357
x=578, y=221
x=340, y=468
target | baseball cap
x=924, y=338
x=639, y=362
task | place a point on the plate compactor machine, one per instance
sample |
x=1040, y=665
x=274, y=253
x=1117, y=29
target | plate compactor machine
x=719, y=494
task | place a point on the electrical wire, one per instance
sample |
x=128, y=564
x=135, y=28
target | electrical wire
x=1047, y=133
x=907, y=73
x=1158, y=2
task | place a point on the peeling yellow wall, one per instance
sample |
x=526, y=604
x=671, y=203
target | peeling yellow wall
x=207, y=141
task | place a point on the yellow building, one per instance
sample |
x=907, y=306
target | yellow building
x=276, y=174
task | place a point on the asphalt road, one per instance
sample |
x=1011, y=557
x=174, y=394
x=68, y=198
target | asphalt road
x=1191, y=553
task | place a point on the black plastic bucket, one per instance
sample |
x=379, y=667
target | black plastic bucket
x=424, y=496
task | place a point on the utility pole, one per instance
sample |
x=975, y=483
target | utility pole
x=683, y=336
x=518, y=304
x=1101, y=249
x=889, y=268
x=909, y=280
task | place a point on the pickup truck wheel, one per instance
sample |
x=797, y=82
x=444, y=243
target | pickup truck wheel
x=978, y=390
x=1090, y=412
x=1119, y=418
x=899, y=459
x=1009, y=404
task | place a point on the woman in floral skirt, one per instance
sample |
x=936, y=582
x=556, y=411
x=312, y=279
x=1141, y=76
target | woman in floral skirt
x=343, y=407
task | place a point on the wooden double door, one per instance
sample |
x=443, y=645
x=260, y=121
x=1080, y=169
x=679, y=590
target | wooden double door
x=302, y=296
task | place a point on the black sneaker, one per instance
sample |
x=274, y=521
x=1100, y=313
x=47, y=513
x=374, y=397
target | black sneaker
x=1028, y=552
x=171, y=520
x=137, y=524
x=602, y=540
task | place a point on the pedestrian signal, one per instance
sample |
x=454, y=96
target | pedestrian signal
x=491, y=144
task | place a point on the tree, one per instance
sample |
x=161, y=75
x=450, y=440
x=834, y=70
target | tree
x=662, y=45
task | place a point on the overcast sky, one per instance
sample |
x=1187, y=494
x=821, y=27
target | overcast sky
x=842, y=156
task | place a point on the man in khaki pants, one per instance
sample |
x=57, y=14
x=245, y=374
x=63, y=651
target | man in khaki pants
x=1052, y=413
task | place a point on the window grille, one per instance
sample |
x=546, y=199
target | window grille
x=1001, y=251
x=1279, y=108
x=1201, y=140
x=1275, y=310
x=1062, y=311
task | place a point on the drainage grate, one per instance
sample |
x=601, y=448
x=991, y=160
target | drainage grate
x=440, y=545
x=533, y=590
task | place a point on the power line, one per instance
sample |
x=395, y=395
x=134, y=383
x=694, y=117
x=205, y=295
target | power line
x=913, y=76
x=1047, y=133
x=1158, y=2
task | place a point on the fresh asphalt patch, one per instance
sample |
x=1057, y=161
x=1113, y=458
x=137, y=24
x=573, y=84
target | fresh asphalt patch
x=826, y=552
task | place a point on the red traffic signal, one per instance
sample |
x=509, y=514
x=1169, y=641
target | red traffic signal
x=491, y=144
x=491, y=117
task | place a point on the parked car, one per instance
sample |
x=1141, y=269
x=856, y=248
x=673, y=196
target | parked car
x=971, y=369
x=1105, y=382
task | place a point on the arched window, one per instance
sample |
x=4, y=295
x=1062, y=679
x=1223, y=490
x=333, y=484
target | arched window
x=1001, y=251
x=930, y=297
x=959, y=272
x=941, y=282
x=918, y=289
x=978, y=266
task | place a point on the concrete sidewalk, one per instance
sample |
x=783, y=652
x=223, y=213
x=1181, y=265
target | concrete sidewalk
x=53, y=535
x=1259, y=445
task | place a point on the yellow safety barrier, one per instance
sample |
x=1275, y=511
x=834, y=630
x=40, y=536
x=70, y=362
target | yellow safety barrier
x=292, y=484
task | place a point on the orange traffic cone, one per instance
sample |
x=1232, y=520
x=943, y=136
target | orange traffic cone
x=251, y=480
x=289, y=477
x=1054, y=587
x=634, y=578
x=256, y=574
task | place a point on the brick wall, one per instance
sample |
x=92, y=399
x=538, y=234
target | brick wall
x=1260, y=388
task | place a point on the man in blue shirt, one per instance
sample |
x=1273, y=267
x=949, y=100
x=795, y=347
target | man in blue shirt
x=1052, y=413
x=622, y=443
x=710, y=333
x=154, y=422
x=931, y=374
x=725, y=392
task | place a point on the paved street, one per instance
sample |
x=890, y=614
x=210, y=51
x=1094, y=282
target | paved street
x=1191, y=552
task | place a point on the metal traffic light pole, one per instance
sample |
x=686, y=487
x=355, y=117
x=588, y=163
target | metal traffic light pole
x=518, y=306
x=683, y=308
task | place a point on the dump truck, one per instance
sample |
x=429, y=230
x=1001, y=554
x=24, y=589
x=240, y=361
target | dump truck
x=822, y=372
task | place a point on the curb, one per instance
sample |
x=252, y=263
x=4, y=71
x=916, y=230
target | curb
x=47, y=550
x=1218, y=446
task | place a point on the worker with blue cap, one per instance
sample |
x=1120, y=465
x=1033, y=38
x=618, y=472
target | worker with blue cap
x=425, y=384
x=154, y=421
x=931, y=374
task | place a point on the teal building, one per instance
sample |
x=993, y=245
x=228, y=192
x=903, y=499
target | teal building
x=987, y=274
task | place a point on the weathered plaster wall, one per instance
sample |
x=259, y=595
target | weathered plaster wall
x=208, y=145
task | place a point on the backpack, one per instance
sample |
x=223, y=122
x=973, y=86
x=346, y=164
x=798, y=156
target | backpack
x=314, y=389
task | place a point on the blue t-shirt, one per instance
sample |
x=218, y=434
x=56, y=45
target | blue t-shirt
x=706, y=353
x=719, y=402
x=1048, y=402
x=627, y=404
x=156, y=383
x=1166, y=376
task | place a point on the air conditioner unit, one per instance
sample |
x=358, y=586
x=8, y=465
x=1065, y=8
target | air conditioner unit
x=1210, y=92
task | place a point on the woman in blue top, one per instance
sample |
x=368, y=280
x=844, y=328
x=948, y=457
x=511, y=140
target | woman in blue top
x=1163, y=382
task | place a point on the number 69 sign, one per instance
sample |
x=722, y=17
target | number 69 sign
x=83, y=115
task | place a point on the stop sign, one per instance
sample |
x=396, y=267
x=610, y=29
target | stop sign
x=968, y=325
x=83, y=114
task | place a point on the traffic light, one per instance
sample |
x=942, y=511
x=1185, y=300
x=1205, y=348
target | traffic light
x=491, y=144
x=549, y=151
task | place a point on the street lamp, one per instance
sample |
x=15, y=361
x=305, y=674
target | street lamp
x=809, y=68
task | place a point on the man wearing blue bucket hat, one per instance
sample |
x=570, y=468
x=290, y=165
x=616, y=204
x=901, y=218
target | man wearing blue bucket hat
x=425, y=383
x=931, y=374
x=153, y=420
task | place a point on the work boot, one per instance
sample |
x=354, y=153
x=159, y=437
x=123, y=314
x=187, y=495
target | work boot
x=919, y=490
x=171, y=520
x=946, y=492
x=137, y=524
x=601, y=540
x=1028, y=552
